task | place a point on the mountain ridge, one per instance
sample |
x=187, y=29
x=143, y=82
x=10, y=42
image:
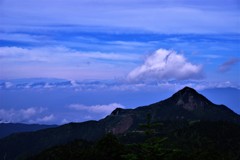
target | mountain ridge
x=11, y=128
x=186, y=104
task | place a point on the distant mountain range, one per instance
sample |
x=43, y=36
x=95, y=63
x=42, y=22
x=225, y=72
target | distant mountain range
x=186, y=105
x=9, y=128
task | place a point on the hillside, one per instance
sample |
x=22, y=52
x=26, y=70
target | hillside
x=9, y=128
x=195, y=141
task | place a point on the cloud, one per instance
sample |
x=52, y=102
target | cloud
x=177, y=16
x=116, y=85
x=96, y=108
x=226, y=66
x=19, y=37
x=26, y=115
x=56, y=54
x=8, y=84
x=29, y=112
x=61, y=62
x=165, y=64
x=45, y=118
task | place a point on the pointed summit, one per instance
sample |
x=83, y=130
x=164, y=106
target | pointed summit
x=186, y=92
x=190, y=99
x=186, y=104
x=188, y=89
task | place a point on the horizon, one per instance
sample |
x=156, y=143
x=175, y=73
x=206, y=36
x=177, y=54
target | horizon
x=80, y=113
x=117, y=106
x=72, y=61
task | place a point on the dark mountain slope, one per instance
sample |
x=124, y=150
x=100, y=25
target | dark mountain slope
x=9, y=128
x=185, y=105
x=29, y=143
x=195, y=141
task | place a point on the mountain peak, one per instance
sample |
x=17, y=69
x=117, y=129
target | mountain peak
x=190, y=99
x=188, y=90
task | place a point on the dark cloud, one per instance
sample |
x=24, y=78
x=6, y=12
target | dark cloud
x=226, y=66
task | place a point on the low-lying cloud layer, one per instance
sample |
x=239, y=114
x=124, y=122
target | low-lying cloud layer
x=106, y=109
x=26, y=115
x=90, y=112
x=165, y=64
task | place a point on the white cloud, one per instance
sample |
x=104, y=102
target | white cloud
x=64, y=121
x=121, y=85
x=26, y=115
x=46, y=118
x=19, y=37
x=96, y=108
x=165, y=64
x=57, y=53
x=29, y=112
x=61, y=62
x=159, y=16
x=8, y=84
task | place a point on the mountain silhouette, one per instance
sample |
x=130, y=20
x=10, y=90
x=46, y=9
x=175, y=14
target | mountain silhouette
x=10, y=128
x=185, y=105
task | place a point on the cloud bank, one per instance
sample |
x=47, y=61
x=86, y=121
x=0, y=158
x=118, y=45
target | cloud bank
x=165, y=64
x=26, y=115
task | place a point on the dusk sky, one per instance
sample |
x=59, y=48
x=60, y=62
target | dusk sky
x=112, y=48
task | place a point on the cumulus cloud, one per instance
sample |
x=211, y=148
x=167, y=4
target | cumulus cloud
x=96, y=108
x=165, y=64
x=226, y=66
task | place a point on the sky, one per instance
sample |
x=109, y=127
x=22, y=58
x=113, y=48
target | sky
x=113, y=47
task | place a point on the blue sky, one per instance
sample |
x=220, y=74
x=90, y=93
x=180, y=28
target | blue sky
x=123, y=44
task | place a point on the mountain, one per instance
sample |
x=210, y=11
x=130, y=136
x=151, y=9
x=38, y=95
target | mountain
x=17, y=146
x=10, y=128
x=186, y=105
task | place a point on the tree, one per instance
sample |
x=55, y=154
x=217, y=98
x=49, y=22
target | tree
x=109, y=148
x=149, y=127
